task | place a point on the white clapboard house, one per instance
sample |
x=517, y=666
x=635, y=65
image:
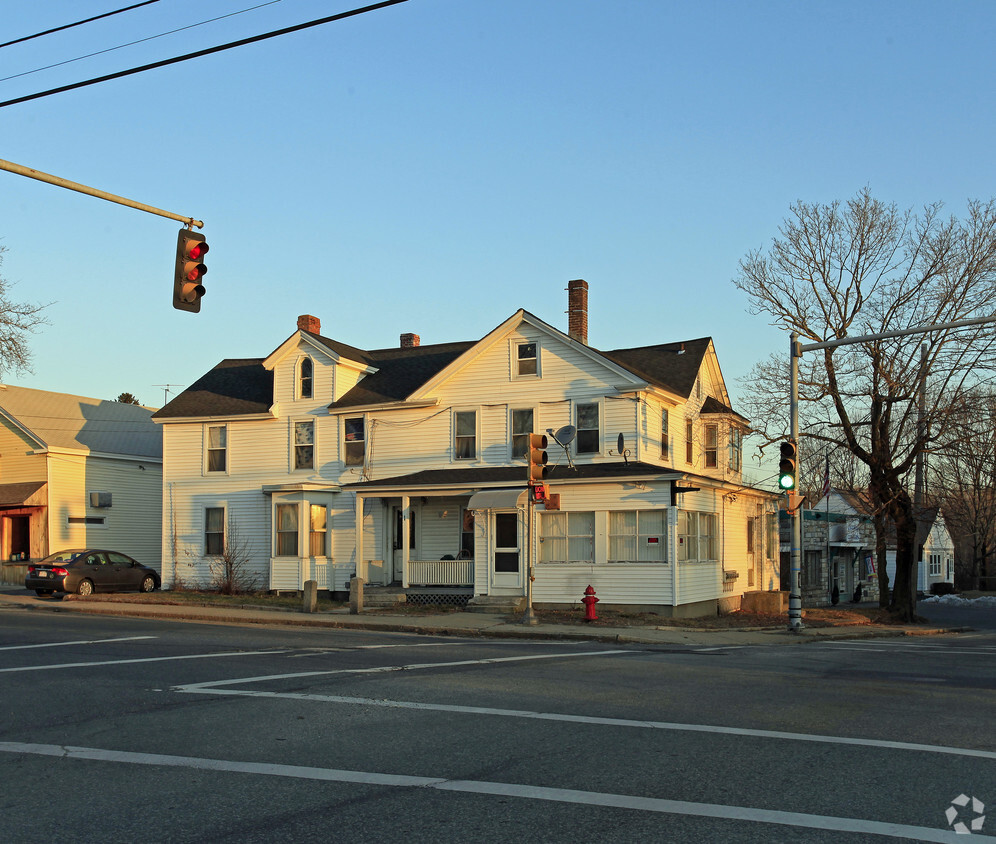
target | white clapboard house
x=77, y=472
x=406, y=466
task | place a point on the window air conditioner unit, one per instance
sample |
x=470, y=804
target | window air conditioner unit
x=100, y=499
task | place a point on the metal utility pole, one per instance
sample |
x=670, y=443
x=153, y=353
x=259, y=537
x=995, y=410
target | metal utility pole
x=58, y=181
x=795, y=352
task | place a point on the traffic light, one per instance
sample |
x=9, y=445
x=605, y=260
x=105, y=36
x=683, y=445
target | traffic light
x=188, y=288
x=536, y=454
x=787, y=465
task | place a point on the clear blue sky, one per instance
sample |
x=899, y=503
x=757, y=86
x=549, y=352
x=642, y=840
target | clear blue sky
x=434, y=166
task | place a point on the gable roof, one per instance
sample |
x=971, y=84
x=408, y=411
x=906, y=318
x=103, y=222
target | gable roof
x=245, y=386
x=78, y=423
x=235, y=387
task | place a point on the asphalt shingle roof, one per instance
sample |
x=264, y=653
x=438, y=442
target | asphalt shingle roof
x=235, y=387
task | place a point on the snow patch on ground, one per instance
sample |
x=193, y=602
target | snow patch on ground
x=984, y=601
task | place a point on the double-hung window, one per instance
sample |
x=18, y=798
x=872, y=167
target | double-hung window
x=354, y=445
x=637, y=536
x=567, y=538
x=306, y=379
x=304, y=445
x=526, y=359
x=217, y=448
x=689, y=441
x=589, y=438
x=711, y=446
x=318, y=536
x=214, y=531
x=665, y=442
x=522, y=427
x=465, y=434
x=736, y=448
x=697, y=536
x=287, y=530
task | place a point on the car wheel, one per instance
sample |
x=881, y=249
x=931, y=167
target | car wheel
x=148, y=584
x=43, y=591
x=85, y=588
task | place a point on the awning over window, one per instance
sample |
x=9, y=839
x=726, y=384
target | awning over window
x=31, y=494
x=497, y=499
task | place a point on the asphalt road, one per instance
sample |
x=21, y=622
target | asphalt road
x=123, y=730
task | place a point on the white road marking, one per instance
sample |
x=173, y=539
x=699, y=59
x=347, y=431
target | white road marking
x=133, y=661
x=208, y=688
x=386, y=669
x=80, y=642
x=915, y=649
x=719, y=648
x=860, y=826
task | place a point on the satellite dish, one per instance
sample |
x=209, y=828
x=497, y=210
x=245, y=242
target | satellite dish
x=565, y=436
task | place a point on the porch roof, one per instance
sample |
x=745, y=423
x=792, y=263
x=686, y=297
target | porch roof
x=493, y=476
x=22, y=494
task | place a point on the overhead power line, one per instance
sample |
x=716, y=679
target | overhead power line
x=78, y=23
x=206, y=52
x=139, y=41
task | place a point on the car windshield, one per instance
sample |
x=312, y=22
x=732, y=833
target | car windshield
x=61, y=557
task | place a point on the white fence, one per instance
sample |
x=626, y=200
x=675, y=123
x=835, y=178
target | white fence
x=440, y=572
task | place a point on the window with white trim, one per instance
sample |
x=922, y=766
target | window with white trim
x=935, y=565
x=214, y=531
x=318, y=535
x=697, y=537
x=306, y=379
x=665, y=432
x=522, y=427
x=354, y=445
x=89, y=521
x=589, y=440
x=217, y=448
x=736, y=448
x=465, y=434
x=527, y=359
x=689, y=441
x=711, y=446
x=567, y=537
x=286, y=523
x=637, y=536
x=304, y=445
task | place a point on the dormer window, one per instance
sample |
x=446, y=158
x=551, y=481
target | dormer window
x=306, y=379
x=527, y=359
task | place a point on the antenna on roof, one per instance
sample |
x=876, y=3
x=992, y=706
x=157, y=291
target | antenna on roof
x=564, y=437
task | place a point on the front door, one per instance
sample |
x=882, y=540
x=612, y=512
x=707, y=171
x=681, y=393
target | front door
x=506, y=558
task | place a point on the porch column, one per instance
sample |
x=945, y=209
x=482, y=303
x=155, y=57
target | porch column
x=361, y=569
x=406, y=534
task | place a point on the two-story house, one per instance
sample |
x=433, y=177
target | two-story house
x=408, y=466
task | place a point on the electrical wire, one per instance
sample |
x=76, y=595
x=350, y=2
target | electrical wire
x=78, y=23
x=206, y=52
x=139, y=41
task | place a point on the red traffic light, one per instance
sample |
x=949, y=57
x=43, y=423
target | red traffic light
x=190, y=269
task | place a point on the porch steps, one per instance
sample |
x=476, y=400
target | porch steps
x=496, y=604
x=383, y=596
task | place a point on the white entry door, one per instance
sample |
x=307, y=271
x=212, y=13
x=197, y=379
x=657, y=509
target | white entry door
x=506, y=555
x=397, y=541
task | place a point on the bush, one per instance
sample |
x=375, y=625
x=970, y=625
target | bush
x=942, y=588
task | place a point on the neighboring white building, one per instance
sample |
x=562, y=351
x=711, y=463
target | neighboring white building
x=407, y=466
x=77, y=472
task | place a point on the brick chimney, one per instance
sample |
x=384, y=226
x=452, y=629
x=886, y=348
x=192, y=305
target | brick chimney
x=409, y=341
x=577, y=310
x=307, y=322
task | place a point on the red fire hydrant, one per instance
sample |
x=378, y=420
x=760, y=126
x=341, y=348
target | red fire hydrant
x=589, y=600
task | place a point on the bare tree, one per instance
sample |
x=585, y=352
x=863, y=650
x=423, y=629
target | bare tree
x=231, y=573
x=17, y=321
x=859, y=268
x=963, y=481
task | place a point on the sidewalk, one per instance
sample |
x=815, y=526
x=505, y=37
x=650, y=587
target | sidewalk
x=455, y=623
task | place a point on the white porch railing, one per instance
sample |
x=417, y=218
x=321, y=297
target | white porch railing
x=440, y=572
